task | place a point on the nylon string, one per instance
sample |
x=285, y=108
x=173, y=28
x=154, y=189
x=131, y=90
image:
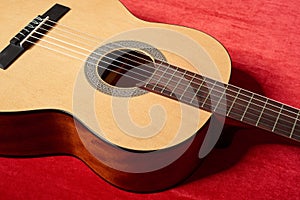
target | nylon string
x=93, y=39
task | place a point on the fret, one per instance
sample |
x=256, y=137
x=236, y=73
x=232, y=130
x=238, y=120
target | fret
x=197, y=90
x=249, y=102
x=286, y=121
x=190, y=76
x=158, y=81
x=213, y=96
x=148, y=84
x=186, y=85
x=197, y=95
x=189, y=83
x=210, y=88
x=278, y=116
x=174, y=82
x=230, y=95
x=294, y=126
x=178, y=88
x=269, y=115
x=154, y=83
x=261, y=113
x=254, y=110
x=221, y=98
x=169, y=77
x=234, y=99
x=152, y=80
x=240, y=105
x=296, y=131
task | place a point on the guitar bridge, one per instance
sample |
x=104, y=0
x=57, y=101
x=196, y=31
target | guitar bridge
x=28, y=36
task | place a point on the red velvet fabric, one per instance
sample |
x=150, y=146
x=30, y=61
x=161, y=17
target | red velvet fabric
x=263, y=40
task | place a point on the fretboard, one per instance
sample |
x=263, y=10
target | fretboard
x=225, y=99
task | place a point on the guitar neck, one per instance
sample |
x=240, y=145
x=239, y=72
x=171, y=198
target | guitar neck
x=225, y=99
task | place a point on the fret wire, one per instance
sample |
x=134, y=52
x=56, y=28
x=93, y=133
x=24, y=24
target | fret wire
x=210, y=90
x=296, y=120
x=203, y=81
x=163, y=72
x=277, y=118
x=172, y=75
x=190, y=83
x=261, y=113
x=186, y=87
x=247, y=107
x=233, y=102
x=221, y=98
x=172, y=92
x=147, y=82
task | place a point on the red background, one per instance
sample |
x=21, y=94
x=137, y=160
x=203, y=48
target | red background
x=262, y=37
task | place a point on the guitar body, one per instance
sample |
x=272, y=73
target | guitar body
x=139, y=143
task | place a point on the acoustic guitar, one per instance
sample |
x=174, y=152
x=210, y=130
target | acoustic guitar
x=140, y=103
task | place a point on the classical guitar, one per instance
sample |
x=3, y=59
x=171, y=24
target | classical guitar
x=133, y=100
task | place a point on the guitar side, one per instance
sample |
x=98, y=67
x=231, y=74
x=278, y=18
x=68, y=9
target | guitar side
x=50, y=132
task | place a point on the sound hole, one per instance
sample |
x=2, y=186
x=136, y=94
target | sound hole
x=125, y=68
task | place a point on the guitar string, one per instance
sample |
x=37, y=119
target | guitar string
x=95, y=53
x=169, y=65
x=87, y=50
x=191, y=77
x=110, y=58
x=72, y=38
x=278, y=129
x=218, y=91
x=141, y=70
x=94, y=40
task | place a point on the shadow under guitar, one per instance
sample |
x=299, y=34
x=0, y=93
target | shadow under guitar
x=236, y=141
